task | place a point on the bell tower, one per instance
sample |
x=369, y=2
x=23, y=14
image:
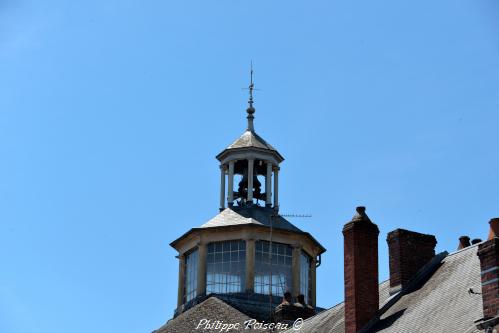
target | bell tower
x=247, y=159
x=247, y=255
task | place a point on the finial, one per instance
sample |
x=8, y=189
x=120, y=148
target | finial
x=361, y=214
x=250, y=110
x=250, y=102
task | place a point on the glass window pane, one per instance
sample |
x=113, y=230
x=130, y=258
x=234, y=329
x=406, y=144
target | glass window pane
x=190, y=278
x=228, y=269
x=305, y=267
x=280, y=268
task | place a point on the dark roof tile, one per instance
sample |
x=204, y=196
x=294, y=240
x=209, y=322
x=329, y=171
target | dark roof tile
x=250, y=215
x=211, y=309
x=441, y=304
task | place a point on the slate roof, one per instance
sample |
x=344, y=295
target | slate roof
x=212, y=309
x=332, y=320
x=441, y=303
x=250, y=215
x=437, y=301
x=249, y=139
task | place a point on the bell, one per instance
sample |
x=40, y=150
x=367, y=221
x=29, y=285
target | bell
x=242, y=191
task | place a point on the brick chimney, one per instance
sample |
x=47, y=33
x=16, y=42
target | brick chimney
x=464, y=241
x=361, y=271
x=494, y=228
x=488, y=252
x=409, y=251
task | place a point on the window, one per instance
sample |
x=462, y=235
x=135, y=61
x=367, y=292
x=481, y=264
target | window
x=191, y=275
x=226, y=267
x=276, y=265
x=305, y=285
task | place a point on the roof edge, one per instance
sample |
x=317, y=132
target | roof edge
x=251, y=225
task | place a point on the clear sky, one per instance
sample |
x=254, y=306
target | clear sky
x=111, y=114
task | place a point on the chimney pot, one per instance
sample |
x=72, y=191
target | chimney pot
x=494, y=228
x=464, y=241
x=361, y=209
x=476, y=241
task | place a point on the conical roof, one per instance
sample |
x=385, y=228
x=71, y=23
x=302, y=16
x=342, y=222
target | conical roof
x=250, y=140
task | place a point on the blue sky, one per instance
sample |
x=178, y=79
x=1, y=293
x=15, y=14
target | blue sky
x=111, y=113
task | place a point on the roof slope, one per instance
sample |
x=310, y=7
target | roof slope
x=332, y=320
x=212, y=309
x=250, y=139
x=255, y=216
x=250, y=215
x=441, y=304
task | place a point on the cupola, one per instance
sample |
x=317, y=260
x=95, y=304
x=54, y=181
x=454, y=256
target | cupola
x=248, y=251
x=249, y=158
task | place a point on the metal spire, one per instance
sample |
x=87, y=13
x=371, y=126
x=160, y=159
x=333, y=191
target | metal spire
x=250, y=110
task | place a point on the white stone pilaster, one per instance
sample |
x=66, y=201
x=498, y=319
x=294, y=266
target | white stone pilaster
x=295, y=270
x=250, y=265
x=201, y=282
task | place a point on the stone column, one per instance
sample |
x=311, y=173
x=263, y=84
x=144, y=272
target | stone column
x=230, y=198
x=251, y=162
x=202, y=253
x=295, y=270
x=268, y=185
x=222, y=187
x=250, y=265
x=276, y=187
x=313, y=282
x=181, y=279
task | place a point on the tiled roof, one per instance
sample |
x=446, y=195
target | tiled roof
x=250, y=215
x=250, y=139
x=441, y=303
x=256, y=216
x=211, y=309
x=332, y=320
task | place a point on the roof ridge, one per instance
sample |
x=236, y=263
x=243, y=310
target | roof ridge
x=464, y=249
